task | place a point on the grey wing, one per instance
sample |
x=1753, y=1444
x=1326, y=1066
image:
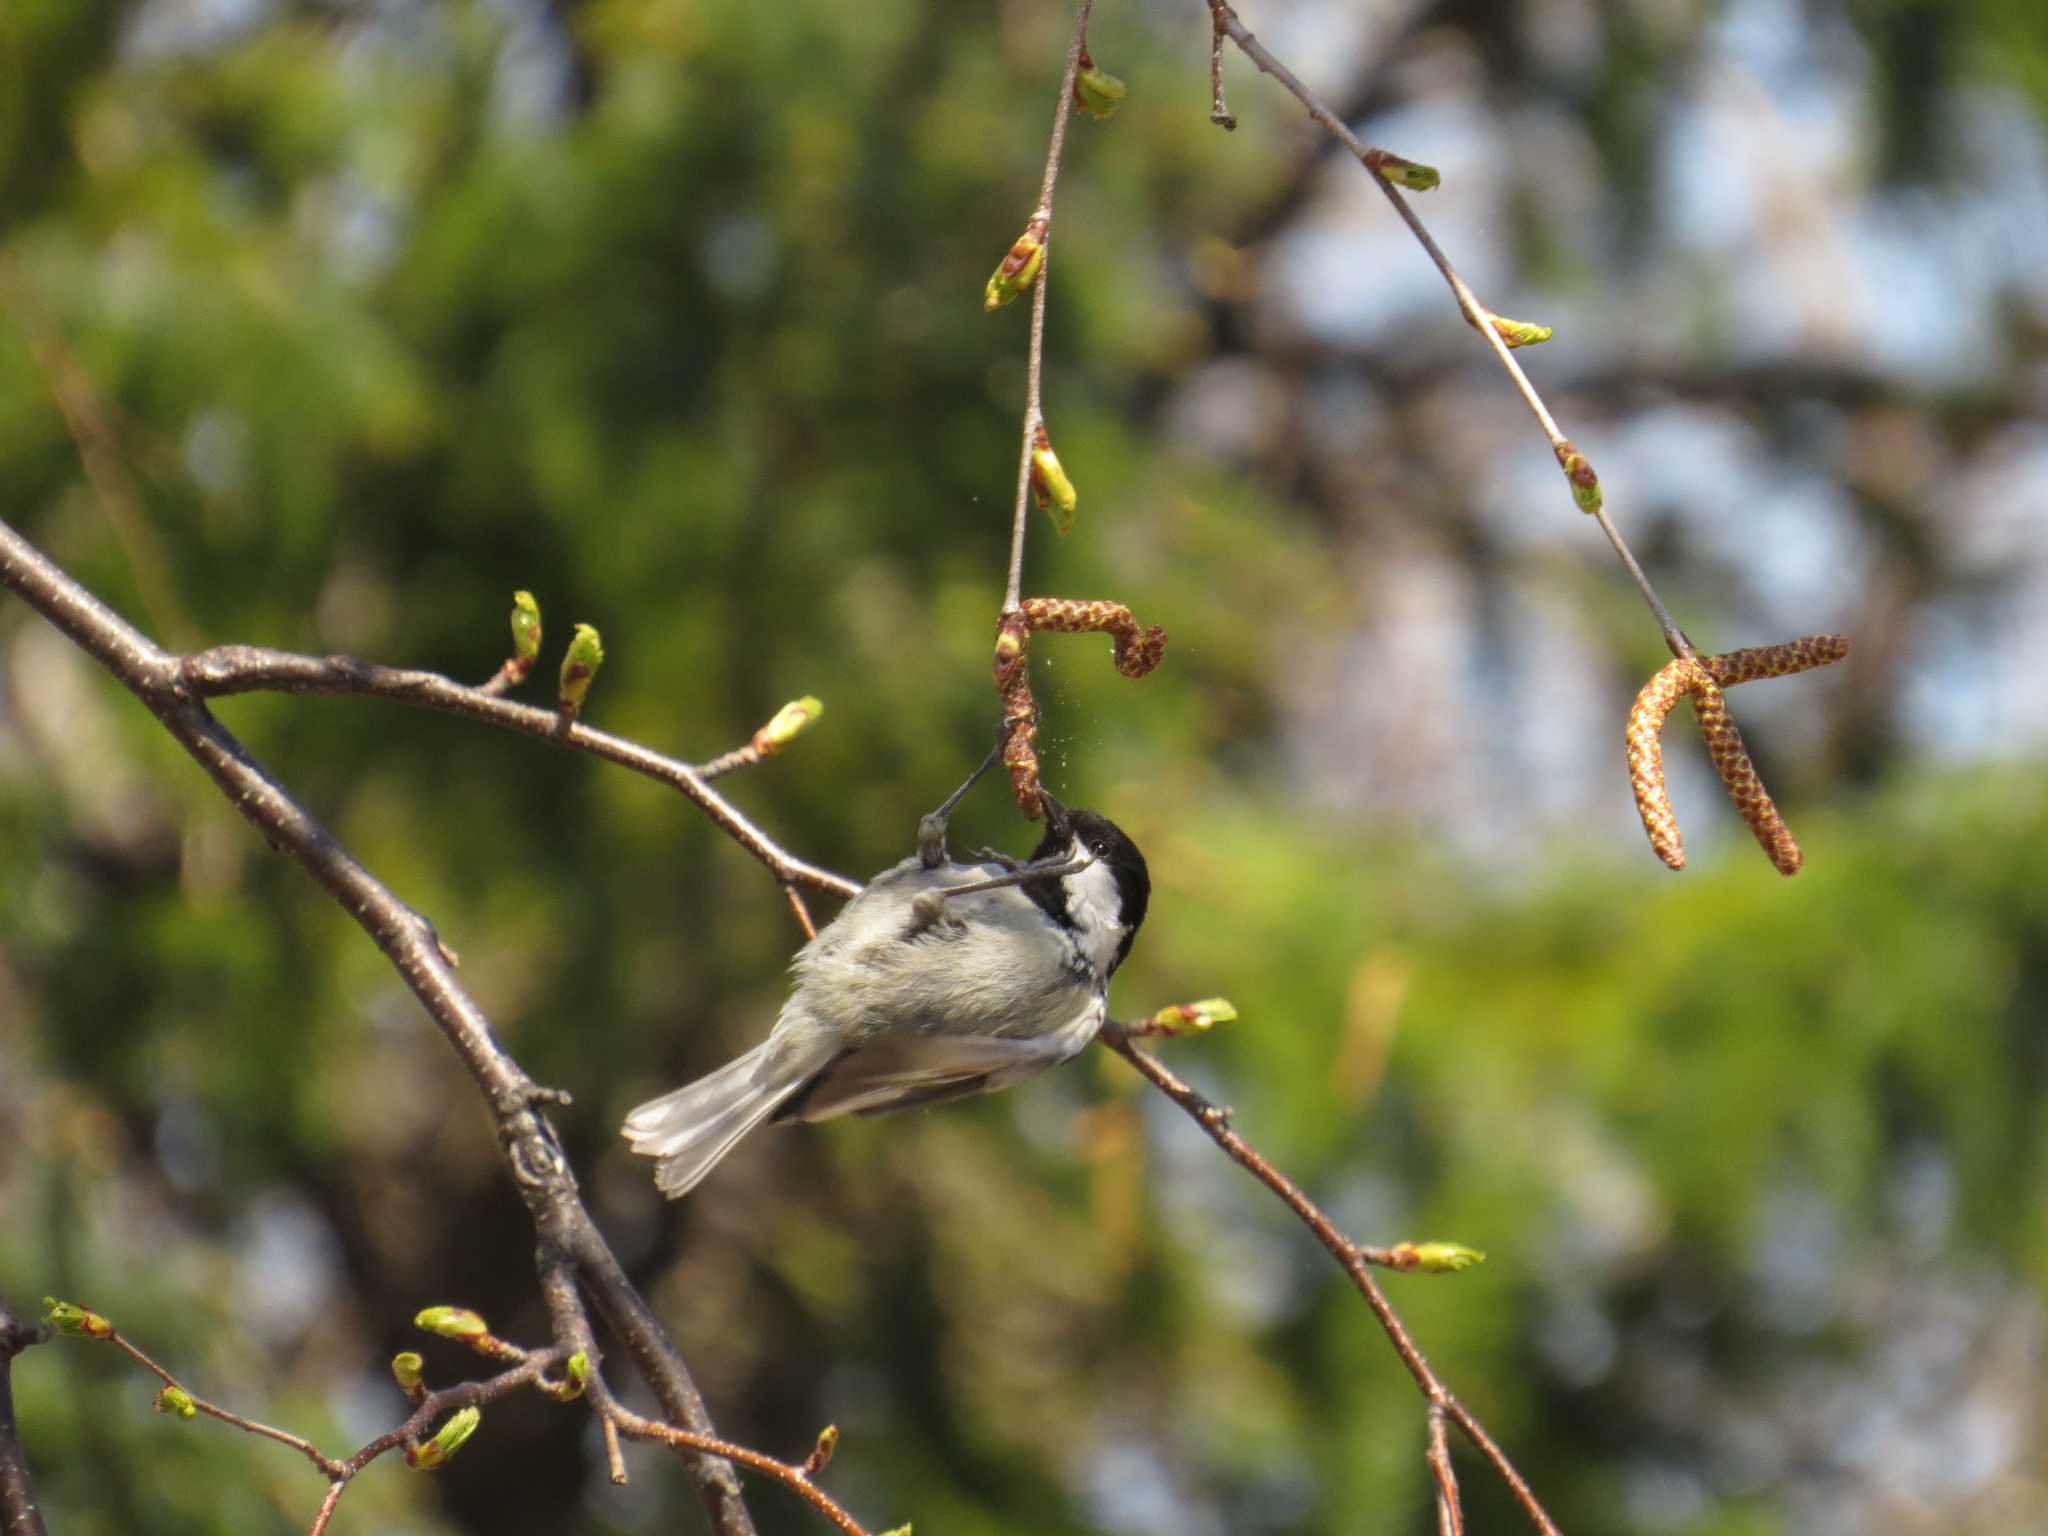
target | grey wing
x=901, y=1071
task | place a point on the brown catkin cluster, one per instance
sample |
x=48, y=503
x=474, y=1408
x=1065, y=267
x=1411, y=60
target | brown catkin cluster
x=1704, y=681
x=1138, y=651
x=1802, y=655
x=1646, y=758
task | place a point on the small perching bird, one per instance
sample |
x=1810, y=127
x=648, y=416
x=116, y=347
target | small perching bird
x=939, y=979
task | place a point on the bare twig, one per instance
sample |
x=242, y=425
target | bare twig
x=20, y=1514
x=1219, y=110
x=1354, y=1258
x=330, y=1465
x=1450, y=1512
x=634, y=1427
x=799, y=910
x=1041, y=220
x=325, y=1512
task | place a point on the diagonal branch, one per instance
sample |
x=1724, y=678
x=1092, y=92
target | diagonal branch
x=527, y=1141
x=1476, y=314
x=1351, y=1257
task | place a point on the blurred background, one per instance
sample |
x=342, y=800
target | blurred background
x=326, y=325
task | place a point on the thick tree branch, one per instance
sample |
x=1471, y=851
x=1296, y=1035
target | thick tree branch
x=539, y=1169
x=20, y=1514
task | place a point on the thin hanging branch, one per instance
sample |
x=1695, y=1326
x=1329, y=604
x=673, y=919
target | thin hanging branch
x=1041, y=225
x=1585, y=485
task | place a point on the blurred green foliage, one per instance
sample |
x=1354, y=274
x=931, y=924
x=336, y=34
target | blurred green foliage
x=670, y=312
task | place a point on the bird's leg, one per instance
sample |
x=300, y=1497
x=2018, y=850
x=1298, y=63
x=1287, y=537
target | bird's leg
x=931, y=831
x=1016, y=872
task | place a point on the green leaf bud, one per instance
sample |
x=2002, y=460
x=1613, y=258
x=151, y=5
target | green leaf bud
x=440, y=1450
x=579, y=666
x=790, y=722
x=1018, y=269
x=74, y=1321
x=525, y=630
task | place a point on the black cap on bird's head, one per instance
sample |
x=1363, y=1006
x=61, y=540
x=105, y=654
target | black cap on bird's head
x=1074, y=833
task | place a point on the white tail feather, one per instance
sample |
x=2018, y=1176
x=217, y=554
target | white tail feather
x=691, y=1129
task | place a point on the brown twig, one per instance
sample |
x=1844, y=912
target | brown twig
x=791, y=1476
x=574, y=1336
x=572, y=1332
x=1219, y=111
x=332, y=1466
x=232, y=669
x=798, y=908
x=1041, y=222
x=1354, y=1258
x=1450, y=1511
x=340, y=1471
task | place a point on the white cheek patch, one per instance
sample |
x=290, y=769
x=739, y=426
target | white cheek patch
x=1096, y=907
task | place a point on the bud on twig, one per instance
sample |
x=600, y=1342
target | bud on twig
x=1435, y=1258
x=790, y=722
x=177, y=1402
x=525, y=631
x=453, y=1323
x=1585, y=484
x=579, y=666
x=409, y=1370
x=1520, y=333
x=1018, y=269
x=440, y=1450
x=1096, y=91
x=821, y=1453
x=1189, y=1018
x=74, y=1321
x=1049, y=483
x=575, y=1378
x=1403, y=173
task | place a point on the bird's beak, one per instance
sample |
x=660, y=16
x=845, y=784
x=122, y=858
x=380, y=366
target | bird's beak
x=1055, y=813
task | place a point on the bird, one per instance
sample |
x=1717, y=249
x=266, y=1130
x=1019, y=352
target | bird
x=938, y=980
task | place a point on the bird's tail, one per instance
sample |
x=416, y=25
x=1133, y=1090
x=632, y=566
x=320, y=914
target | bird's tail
x=690, y=1129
